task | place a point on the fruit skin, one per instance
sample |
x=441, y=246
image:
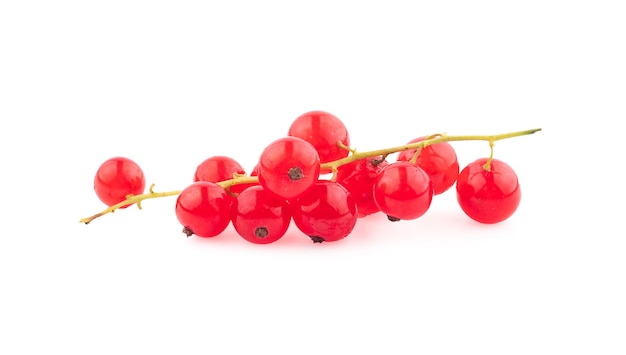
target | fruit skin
x=403, y=191
x=358, y=178
x=259, y=217
x=326, y=213
x=288, y=167
x=219, y=168
x=203, y=208
x=323, y=130
x=439, y=161
x=488, y=196
x=118, y=177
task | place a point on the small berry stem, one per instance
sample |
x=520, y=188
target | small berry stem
x=240, y=179
x=437, y=138
x=343, y=146
x=487, y=165
x=415, y=155
x=131, y=199
x=332, y=166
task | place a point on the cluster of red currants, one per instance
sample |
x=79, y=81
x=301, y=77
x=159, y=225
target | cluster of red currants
x=288, y=184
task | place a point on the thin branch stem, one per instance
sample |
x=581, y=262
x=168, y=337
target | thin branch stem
x=331, y=166
x=423, y=144
x=131, y=199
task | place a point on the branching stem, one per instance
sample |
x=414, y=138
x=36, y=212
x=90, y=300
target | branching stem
x=330, y=166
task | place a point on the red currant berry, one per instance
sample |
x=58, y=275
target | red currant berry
x=288, y=167
x=323, y=130
x=117, y=178
x=218, y=168
x=327, y=212
x=488, y=196
x=403, y=191
x=358, y=178
x=203, y=208
x=439, y=161
x=259, y=216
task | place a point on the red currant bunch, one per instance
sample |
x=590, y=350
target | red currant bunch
x=290, y=183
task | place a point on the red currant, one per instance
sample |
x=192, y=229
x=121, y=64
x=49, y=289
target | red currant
x=288, y=167
x=358, y=178
x=323, y=130
x=439, y=161
x=219, y=168
x=488, y=196
x=259, y=216
x=327, y=212
x=403, y=191
x=203, y=208
x=117, y=178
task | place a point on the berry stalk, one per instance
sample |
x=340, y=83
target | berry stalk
x=131, y=199
x=436, y=138
x=330, y=166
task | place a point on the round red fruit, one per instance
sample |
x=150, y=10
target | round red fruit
x=488, y=196
x=117, y=178
x=323, y=130
x=259, y=217
x=403, y=191
x=439, y=161
x=358, y=178
x=203, y=208
x=325, y=213
x=288, y=167
x=219, y=168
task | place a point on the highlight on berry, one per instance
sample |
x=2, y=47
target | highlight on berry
x=311, y=177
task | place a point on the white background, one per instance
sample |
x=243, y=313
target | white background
x=169, y=84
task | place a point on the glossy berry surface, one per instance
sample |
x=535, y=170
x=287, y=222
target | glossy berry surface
x=323, y=130
x=259, y=217
x=288, y=167
x=403, y=191
x=218, y=168
x=203, y=209
x=358, y=178
x=488, y=196
x=116, y=178
x=439, y=161
x=327, y=212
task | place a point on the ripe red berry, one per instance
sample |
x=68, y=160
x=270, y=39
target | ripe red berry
x=288, y=167
x=403, y=191
x=358, y=178
x=259, y=217
x=203, y=208
x=116, y=178
x=327, y=212
x=219, y=168
x=323, y=130
x=488, y=196
x=439, y=161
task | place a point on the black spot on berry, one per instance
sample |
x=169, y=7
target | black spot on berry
x=188, y=232
x=261, y=232
x=392, y=218
x=295, y=173
x=316, y=239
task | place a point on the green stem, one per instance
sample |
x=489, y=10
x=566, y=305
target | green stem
x=131, y=199
x=332, y=166
x=425, y=143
